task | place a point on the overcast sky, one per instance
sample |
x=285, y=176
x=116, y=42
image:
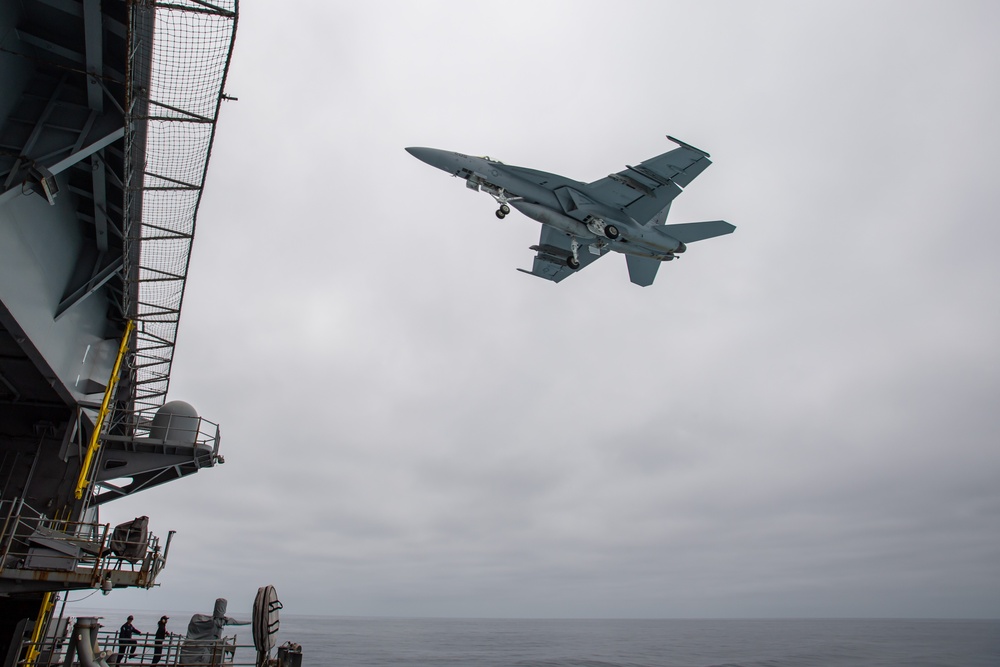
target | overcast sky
x=799, y=419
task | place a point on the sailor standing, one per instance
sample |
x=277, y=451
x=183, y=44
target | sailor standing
x=126, y=645
x=161, y=633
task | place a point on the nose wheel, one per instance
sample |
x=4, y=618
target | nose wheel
x=501, y=198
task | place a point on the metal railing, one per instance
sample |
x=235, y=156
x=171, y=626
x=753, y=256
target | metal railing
x=144, y=649
x=154, y=427
x=69, y=554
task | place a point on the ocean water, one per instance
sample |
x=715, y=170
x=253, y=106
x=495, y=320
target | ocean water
x=386, y=642
x=380, y=642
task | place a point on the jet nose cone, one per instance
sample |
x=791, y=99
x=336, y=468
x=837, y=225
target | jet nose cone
x=433, y=156
x=423, y=154
x=415, y=151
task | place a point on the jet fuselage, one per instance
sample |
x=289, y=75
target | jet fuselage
x=537, y=199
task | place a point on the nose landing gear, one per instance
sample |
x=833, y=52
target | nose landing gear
x=501, y=198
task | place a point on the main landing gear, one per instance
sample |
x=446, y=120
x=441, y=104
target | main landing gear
x=600, y=228
x=573, y=261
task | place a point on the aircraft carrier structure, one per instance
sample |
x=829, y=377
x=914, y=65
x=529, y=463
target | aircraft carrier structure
x=108, y=112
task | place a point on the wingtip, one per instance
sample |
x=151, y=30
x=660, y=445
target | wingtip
x=688, y=146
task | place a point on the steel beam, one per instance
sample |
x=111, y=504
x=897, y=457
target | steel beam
x=100, y=277
x=15, y=188
x=105, y=131
x=94, y=52
x=100, y=187
x=51, y=47
x=100, y=137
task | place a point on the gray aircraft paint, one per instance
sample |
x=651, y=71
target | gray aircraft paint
x=624, y=212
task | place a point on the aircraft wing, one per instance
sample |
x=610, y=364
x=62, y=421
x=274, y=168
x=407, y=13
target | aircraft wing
x=646, y=189
x=552, y=251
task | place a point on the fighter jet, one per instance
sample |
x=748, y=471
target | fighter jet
x=581, y=222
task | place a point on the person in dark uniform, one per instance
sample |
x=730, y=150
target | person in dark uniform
x=161, y=633
x=126, y=645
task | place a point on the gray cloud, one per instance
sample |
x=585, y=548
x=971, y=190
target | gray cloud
x=799, y=419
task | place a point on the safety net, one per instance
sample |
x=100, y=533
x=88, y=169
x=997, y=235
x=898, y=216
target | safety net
x=179, y=59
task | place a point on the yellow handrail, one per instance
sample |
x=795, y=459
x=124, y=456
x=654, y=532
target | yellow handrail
x=48, y=602
x=95, y=439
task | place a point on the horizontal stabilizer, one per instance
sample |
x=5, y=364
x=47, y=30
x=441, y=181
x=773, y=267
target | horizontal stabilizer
x=642, y=270
x=689, y=232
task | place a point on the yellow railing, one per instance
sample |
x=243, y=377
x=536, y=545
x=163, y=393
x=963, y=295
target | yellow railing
x=83, y=482
x=48, y=603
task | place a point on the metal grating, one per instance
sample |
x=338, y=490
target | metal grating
x=179, y=58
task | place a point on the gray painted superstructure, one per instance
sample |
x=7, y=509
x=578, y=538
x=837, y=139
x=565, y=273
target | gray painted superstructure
x=95, y=232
